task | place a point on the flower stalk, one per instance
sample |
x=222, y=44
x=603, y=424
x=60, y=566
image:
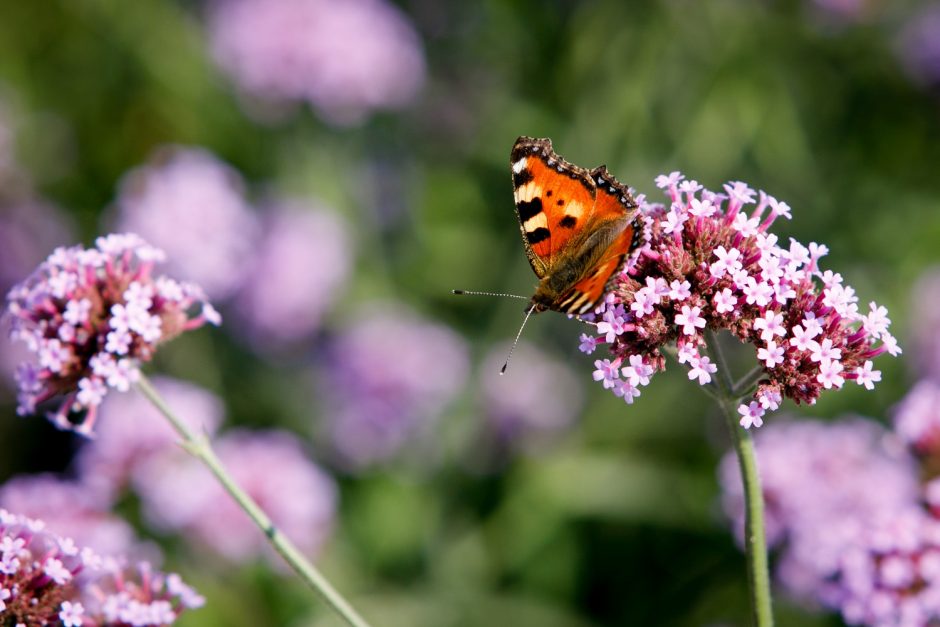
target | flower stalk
x=199, y=446
x=729, y=396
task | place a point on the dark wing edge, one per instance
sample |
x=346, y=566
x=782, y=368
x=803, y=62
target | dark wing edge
x=608, y=183
x=542, y=146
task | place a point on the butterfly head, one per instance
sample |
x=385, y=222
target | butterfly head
x=544, y=299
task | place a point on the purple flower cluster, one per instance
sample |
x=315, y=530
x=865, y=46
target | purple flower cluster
x=845, y=9
x=541, y=398
x=707, y=262
x=917, y=418
x=297, y=271
x=345, y=58
x=281, y=264
x=135, y=448
x=73, y=509
x=130, y=432
x=46, y=579
x=192, y=205
x=854, y=510
x=28, y=229
x=923, y=323
x=178, y=494
x=91, y=316
x=870, y=476
x=919, y=45
x=390, y=375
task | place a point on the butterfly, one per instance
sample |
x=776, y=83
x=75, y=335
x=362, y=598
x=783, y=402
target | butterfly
x=578, y=226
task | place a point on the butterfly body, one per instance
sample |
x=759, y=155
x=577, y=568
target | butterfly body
x=577, y=226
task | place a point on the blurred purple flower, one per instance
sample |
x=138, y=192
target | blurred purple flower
x=297, y=273
x=179, y=494
x=70, y=509
x=538, y=396
x=130, y=431
x=917, y=418
x=819, y=476
x=846, y=9
x=919, y=45
x=390, y=375
x=345, y=58
x=889, y=573
x=925, y=323
x=91, y=316
x=192, y=205
x=27, y=229
x=847, y=510
x=46, y=579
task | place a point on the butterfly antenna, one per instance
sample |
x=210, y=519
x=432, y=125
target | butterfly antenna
x=528, y=313
x=471, y=293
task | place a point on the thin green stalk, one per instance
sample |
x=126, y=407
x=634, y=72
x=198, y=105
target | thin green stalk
x=755, y=543
x=199, y=446
x=743, y=385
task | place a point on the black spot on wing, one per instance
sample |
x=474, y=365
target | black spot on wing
x=560, y=202
x=538, y=235
x=549, y=193
x=521, y=178
x=529, y=208
x=568, y=222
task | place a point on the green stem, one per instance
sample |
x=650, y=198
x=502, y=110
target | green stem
x=755, y=543
x=743, y=385
x=199, y=446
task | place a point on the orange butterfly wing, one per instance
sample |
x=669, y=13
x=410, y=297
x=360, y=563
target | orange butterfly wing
x=574, y=223
x=588, y=292
x=613, y=205
x=554, y=199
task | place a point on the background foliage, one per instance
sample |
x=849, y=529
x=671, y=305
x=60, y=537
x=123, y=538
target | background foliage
x=613, y=521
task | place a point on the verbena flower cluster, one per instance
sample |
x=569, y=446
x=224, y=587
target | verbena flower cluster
x=345, y=58
x=123, y=449
x=178, y=494
x=76, y=510
x=542, y=397
x=707, y=262
x=29, y=227
x=854, y=510
x=923, y=322
x=91, y=316
x=918, y=47
x=387, y=379
x=280, y=263
x=298, y=270
x=45, y=579
x=192, y=205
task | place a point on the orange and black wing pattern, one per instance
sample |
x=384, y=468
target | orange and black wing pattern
x=554, y=199
x=564, y=212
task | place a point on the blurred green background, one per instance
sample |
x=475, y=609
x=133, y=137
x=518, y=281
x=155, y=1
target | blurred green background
x=613, y=520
